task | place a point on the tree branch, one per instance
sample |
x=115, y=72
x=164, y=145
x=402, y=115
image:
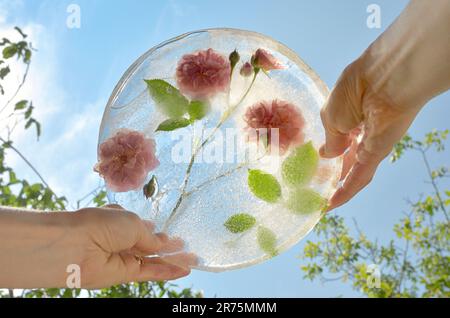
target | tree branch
x=434, y=184
x=18, y=88
x=17, y=151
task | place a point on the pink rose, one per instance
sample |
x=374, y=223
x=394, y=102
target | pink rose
x=266, y=61
x=203, y=74
x=125, y=160
x=246, y=69
x=276, y=114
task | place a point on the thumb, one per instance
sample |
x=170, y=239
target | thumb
x=342, y=112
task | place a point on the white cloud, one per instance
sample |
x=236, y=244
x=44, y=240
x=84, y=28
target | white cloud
x=66, y=151
x=7, y=6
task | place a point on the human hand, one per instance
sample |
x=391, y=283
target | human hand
x=364, y=122
x=115, y=245
x=108, y=244
x=378, y=96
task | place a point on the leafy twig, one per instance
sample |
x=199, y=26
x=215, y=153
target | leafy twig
x=92, y=192
x=17, y=151
x=18, y=88
x=433, y=183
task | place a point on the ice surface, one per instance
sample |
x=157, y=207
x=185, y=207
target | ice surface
x=210, y=199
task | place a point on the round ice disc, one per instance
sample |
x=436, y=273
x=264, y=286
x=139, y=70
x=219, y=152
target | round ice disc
x=213, y=136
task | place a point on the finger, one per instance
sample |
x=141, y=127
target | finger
x=149, y=243
x=156, y=269
x=349, y=159
x=125, y=268
x=173, y=245
x=342, y=113
x=359, y=176
x=336, y=134
x=149, y=225
x=184, y=260
x=335, y=144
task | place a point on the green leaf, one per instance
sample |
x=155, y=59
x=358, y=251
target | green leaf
x=20, y=31
x=197, y=109
x=4, y=71
x=29, y=112
x=99, y=199
x=301, y=165
x=168, y=98
x=32, y=121
x=27, y=56
x=173, y=123
x=267, y=240
x=21, y=105
x=305, y=201
x=239, y=223
x=9, y=51
x=264, y=186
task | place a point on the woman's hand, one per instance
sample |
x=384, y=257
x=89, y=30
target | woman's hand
x=378, y=96
x=366, y=123
x=108, y=244
x=116, y=243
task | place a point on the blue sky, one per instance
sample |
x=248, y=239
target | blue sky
x=75, y=70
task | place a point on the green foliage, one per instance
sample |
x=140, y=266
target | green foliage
x=299, y=168
x=100, y=198
x=267, y=241
x=23, y=110
x=168, y=98
x=239, y=223
x=414, y=264
x=305, y=201
x=173, y=123
x=197, y=110
x=172, y=103
x=18, y=192
x=264, y=186
x=434, y=139
x=132, y=290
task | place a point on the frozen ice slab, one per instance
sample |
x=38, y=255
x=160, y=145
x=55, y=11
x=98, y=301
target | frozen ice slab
x=239, y=178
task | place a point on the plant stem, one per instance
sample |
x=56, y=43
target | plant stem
x=225, y=174
x=433, y=183
x=22, y=83
x=92, y=192
x=28, y=163
x=229, y=112
x=224, y=118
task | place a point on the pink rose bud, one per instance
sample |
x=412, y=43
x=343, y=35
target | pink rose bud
x=246, y=69
x=265, y=61
x=234, y=58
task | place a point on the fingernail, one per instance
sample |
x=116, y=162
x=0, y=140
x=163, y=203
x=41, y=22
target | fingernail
x=178, y=242
x=183, y=260
x=164, y=238
x=190, y=260
x=322, y=151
